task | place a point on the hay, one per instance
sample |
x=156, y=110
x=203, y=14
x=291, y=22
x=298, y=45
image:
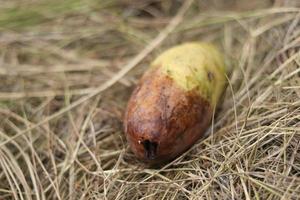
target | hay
x=66, y=73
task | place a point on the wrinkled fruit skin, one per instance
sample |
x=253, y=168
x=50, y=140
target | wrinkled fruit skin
x=162, y=119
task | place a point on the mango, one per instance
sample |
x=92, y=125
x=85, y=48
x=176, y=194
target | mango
x=172, y=106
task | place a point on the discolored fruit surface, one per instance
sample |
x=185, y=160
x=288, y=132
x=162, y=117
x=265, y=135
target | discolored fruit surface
x=195, y=66
x=165, y=117
x=162, y=120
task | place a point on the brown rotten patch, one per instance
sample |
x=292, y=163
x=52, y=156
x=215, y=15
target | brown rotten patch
x=162, y=120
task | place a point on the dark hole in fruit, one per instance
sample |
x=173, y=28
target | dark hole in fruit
x=150, y=149
x=210, y=76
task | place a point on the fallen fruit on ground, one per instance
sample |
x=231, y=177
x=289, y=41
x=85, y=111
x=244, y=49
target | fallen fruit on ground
x=173, y=103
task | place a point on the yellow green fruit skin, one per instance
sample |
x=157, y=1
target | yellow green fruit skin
x=173, y=103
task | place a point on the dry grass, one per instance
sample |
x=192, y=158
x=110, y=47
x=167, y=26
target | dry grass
x=67, y=70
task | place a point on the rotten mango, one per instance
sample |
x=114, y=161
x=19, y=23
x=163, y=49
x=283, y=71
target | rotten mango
x=173, y=103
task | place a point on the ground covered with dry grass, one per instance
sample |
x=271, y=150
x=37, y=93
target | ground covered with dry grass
x=67, y=69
